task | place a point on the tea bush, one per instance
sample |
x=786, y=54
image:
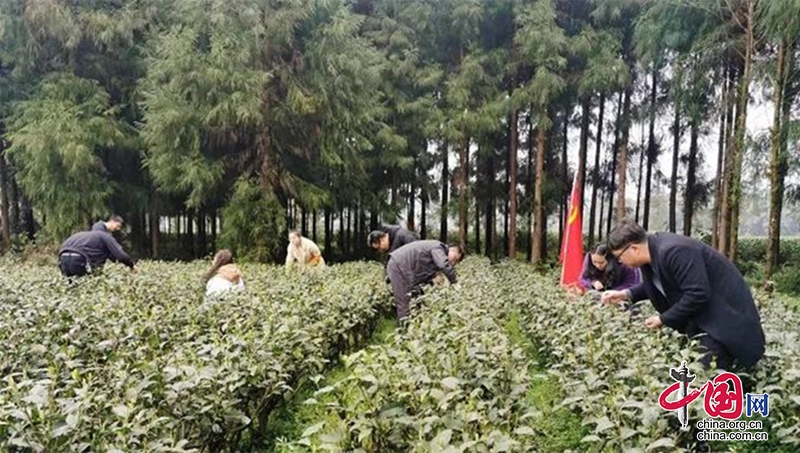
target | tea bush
x=754, y=249
x=614, y=368
x=451, y=382
x=125, y=362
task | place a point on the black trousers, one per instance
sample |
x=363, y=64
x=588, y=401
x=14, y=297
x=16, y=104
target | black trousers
x=72, y=265
x=714, y=350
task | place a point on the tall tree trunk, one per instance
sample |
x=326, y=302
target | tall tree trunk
x=342, y=237
x=490, y=211
x=489, y=229
x=303, y=221
x=392, y=217
x=190, y=232
x=411, y=219
x=314, y=226
x=445, y=193
x=538, y=203
x=214, y=220
x=477, y=227
x=720, y=154
x=583, y=149
x=328, y=231
x=202, y=237
x=155, y=221
x=691, y=176
x=423, y=214
x=623, y=153
x=13, y=201
x=529, y=185
x=727, y=165
x=676, y=150
x=741, y=125
x=463, y=206
x=364, y=231
x=600, y=216
x=639, y=184
x=614, y=155
x=348, y=235
x=596, y=171
x=489, y=216
x=512, y=185
x=374, y=222
x=778, y=154
x=355, y=243
x=28, y=223
x=5, y=220
x=505, y=222
x=651, y=150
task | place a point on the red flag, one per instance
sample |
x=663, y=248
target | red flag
x=572, y=245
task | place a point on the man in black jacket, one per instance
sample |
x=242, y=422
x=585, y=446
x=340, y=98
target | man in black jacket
x=114, y=223
x=84, y=252
x=389, y=238
x=695, y=289
x=417, y=263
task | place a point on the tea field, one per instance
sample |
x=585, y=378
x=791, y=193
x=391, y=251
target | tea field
x=312, y=362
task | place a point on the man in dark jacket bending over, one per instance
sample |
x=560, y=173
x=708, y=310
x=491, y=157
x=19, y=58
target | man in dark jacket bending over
x=114, y=223
x=389, y=238
x=695, y=289
x=84, y=252
x=416, y=264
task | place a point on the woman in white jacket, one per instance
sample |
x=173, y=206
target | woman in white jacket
x=223, y=275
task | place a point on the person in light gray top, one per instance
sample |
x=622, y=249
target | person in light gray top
x=417, y=263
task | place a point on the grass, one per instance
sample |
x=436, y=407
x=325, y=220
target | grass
x=292, y=418
x=560, y=429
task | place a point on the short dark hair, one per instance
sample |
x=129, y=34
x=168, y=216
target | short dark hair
x=116, y=218
x=296, y=232
x=626, y=232
x=375, y=237
x=461, y=252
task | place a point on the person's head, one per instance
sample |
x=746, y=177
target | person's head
x=295, y=237
x=599, y=256
x=379, y=240
x=628, y=244
x=221, y=258
x=455, y=254
x=602, y=266
x=114, y=223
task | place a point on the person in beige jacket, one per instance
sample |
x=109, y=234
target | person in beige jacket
x=303, y=251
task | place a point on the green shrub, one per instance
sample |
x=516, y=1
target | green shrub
x=787, y=279
x=254, y=223
x=140, y=362
x=755, y=249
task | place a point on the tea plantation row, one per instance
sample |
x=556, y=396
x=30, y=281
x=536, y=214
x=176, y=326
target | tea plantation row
x=139, y=362
x=505, y=361
x=455, y=381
